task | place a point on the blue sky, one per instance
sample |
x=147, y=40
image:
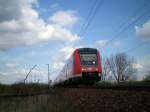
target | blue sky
x=47, y=31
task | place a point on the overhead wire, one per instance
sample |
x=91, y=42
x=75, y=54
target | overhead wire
x=133, y=15
x=87, y=18
x=137, y=46
x=126, y=27
x=90, y=17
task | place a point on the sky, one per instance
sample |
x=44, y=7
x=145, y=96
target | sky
x=41, y=32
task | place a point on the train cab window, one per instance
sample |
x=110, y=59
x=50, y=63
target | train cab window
x=88, y=59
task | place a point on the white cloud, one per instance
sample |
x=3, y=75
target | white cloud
x=66, y=52
x=143, y=67
x=137, y=66
x=64, y=18
x=144, y=30
x=101, y=43
x=11, y=9
x=144, y=61
x=58, y=65
x=27, y=28
x=116, y=43
x=3, y=73
x=11, y=65
x=61, y=59
x=15, y=74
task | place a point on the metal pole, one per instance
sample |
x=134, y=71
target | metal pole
x=29, y=73
x=48, y=73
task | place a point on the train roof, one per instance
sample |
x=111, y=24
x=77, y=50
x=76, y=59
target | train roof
x=86, y=50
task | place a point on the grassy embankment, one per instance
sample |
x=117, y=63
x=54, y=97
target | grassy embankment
x=24, y=88
x=41, y=103
x=70, y=100
x=48, y=102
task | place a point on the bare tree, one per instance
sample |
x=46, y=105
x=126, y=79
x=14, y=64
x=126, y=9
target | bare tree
x=106, y=69
x=121, y=66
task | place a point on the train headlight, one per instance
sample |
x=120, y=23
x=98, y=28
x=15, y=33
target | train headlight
x=93, y=62
x=83, y=69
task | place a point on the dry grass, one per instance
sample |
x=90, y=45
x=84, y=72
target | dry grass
x=43, y=103
x=24, y=88
x=50, y=102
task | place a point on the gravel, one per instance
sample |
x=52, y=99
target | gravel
x=107, y=100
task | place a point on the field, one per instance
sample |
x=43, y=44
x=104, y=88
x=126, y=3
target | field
x=41, y=98
x=108, y=100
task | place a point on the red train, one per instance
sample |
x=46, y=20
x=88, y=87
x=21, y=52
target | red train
x=84, y=65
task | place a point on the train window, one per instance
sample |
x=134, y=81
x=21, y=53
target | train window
x=73, y=62
x=88, y=59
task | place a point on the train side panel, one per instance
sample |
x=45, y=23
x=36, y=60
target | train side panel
x=76, y=66
x=67, y=71
x=99, y=64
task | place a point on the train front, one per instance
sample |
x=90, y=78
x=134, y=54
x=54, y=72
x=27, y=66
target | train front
x=87, y=64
